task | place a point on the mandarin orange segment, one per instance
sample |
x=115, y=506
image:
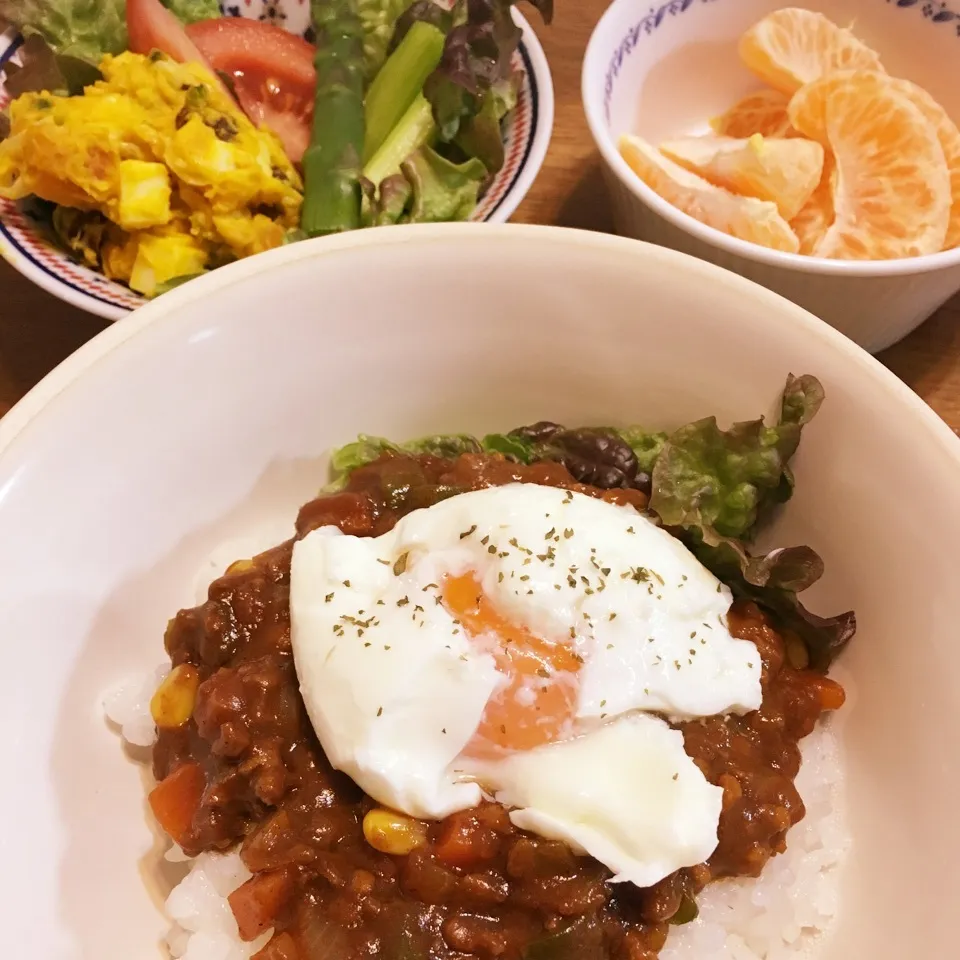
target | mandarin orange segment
x=785, y=172
x=817, y=214
x=763, y=112
x=537, y=704
x=791, y=47
x=892, y=197
x=949, y=137
x=746, y=218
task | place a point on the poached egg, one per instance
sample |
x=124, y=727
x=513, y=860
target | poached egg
x=524, y=642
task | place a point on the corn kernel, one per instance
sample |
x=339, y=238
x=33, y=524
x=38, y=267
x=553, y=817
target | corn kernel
x=393, y=833
x=239, y=566
x=172, y=704
x=797, y=654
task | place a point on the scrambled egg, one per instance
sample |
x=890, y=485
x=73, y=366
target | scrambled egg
x=156, y=172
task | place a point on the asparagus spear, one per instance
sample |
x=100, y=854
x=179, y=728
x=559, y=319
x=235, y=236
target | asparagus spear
x=400, y=80
x=415, y=129
x=332, y=163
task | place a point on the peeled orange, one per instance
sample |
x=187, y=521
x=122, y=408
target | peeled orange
x=763, y=112
x=817, y=214
x=757, y=221
x=791, y=47
x=892, y=196
x=786, y=172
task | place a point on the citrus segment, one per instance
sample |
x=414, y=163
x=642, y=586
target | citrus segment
x=949, y=137
x=817, y=214
x=763, y=112
x=746, y=218
x=791, y=47
x=892, y=196
x=785, y=172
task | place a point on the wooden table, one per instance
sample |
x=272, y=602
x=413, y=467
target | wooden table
x=38, y=331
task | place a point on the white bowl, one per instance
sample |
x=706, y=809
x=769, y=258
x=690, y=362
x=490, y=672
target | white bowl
x=205, y=418
x=26, y=243
x=664, y=71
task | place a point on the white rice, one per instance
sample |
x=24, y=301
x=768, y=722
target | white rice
x=788, y=909
x=128, y=706
x=782, y=915
x=203, y=924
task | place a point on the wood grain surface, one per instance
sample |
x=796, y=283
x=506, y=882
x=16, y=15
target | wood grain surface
x=37, y=331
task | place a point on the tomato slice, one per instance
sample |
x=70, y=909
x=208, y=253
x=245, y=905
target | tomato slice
x=152, y=26
x=272, y=72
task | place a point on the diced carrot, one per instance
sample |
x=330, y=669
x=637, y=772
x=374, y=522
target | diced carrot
x=175, y=800
x=832, y=695
x=464, y=843
x=257, y=903
x=281, y=947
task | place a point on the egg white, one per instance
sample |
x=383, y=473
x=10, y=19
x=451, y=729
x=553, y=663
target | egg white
x=395, y=688
x=626, y=793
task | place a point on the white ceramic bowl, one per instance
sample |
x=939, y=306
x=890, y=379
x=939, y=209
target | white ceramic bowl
x=663, y=71
x=206, y=416
x=25, y=240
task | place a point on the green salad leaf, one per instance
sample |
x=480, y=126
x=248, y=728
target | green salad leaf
x=385, y=205
x=480, y=136
x=378, y=19
x=85, y=29
x=192, y=11
x=365, y=449
x=175, y=282
x=646, y=446
x=515, y=448
x=715, y=488
x=40, y=69
x=773, y=581
x=725, y=479
x=442, y=190
x=428, y=189
x=477, y=54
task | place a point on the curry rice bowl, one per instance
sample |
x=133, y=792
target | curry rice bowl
x=784, y=913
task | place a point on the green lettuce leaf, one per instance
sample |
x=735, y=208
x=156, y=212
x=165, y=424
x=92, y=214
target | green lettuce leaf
x=385, y=205
x=378, y=19
x=480, y=136
x=772, y=581
x=428, y=189
x=646, y=446
x=85, y=29
x=40, y=69
x=89, y=29
x=442, y=190
x=192, y=11
x=365, y=449
x=523, y=451
x=477, y=55
x=726, y=479
x=715, y=488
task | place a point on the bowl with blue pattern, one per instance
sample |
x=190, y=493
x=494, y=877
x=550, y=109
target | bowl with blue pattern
x=27, y=244
x=661, y=70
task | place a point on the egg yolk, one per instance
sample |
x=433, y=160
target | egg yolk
x=536, y=705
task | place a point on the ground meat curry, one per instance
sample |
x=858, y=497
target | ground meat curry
x=239, y=763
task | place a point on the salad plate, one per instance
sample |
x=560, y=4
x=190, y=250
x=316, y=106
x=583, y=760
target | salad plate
x=27, y=241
